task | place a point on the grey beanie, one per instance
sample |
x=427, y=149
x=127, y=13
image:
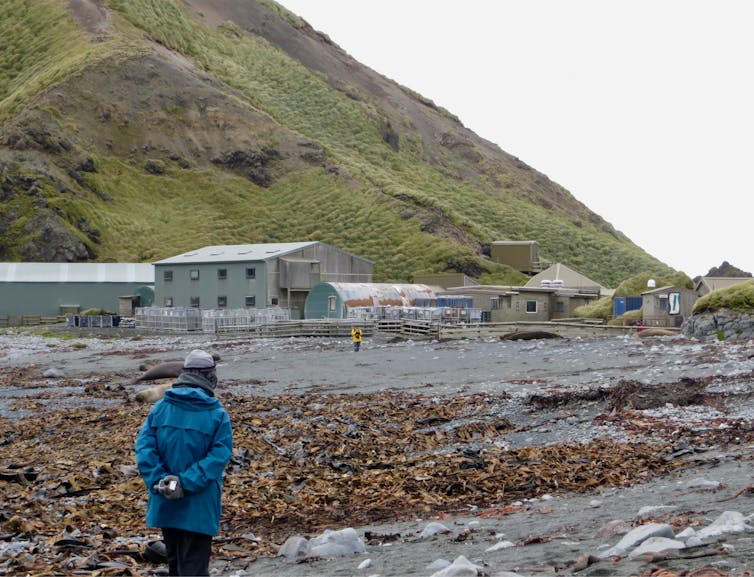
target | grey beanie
x=198, y=359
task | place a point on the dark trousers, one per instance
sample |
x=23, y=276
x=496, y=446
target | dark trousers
x=188, y=552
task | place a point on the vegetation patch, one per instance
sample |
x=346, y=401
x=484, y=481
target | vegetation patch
x=374, y=185
x=739, y=297
x=632, y=286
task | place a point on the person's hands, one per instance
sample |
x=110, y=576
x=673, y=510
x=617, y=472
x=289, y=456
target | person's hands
x=170, y=487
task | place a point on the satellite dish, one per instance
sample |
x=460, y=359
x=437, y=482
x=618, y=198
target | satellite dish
x=651, y=283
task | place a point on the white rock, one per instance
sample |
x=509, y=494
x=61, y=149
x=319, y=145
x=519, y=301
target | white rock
x=694, y=541
x=656, y=545
x=53, y=374
x=365, y=564
x=701, y=483
x=687, y=533
x=336, y=543
x=652, y=509
x=295, y=547
x=727, y=522
x=500, y=545
x=433, y=529
x=438, y=564
x=461, y=567
x=637, y=536
x=594, y=503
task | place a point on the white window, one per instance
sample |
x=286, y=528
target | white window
x=331, y=300
x=194, y=274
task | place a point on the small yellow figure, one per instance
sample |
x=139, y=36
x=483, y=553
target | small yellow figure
x=356, y=337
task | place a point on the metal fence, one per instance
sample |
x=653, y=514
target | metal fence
x=239, y=320
x=436, y=315
x=178, y=319
x=92, y=321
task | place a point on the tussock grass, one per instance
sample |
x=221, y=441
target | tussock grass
x=154, y=216
x=632, y=286
x=637, y=284
x=41, y=45
x=739, y=297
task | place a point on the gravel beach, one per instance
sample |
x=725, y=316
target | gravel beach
x=690, y=402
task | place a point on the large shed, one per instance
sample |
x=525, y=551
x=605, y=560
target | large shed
x=254, y=275
x=51, y=288
x=331, y=300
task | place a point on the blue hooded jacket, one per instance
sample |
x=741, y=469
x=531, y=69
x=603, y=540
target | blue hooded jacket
x=187, y=434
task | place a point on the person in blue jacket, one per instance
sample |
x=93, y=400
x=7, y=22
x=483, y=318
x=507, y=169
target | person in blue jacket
x=181, y=451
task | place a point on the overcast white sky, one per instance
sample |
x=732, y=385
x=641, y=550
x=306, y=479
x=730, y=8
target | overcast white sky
x=643, y=110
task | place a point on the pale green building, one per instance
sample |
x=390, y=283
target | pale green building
x=50, y=289
x=254, y=275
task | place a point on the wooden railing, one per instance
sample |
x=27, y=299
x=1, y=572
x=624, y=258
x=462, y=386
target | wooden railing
x=302, y=328
x=29, y=320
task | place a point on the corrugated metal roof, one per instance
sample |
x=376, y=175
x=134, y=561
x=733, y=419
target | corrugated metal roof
x=122, y=272
x=236, y=252
x=719, y=282
x=355, y=294
x=570, y=278
x=514, y=290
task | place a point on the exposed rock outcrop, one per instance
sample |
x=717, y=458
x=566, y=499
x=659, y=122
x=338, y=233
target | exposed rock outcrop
x=722, y=324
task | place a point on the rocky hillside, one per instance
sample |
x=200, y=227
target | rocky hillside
x=137, y=129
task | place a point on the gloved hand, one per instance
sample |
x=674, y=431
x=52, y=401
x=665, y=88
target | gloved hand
x=169, y=487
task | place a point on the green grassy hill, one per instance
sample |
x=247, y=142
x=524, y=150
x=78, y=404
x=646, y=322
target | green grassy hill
x=138, y=129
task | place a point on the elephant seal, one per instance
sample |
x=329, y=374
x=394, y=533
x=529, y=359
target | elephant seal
x=657, y=332
x=530, y=335
x=152, y=394
x=168, y=370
